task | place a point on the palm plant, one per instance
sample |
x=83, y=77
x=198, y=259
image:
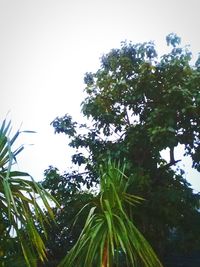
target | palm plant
x=108, y=231
x=20, y=212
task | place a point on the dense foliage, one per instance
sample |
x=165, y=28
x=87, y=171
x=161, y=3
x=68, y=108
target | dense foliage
x=20, y=212
x=109, y=237
x=63, y=235
x=138, y=105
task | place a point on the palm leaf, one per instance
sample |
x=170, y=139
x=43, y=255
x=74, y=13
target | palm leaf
x=18, y=202
x=108, y=230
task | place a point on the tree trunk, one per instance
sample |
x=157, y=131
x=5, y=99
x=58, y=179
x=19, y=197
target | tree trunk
x=105, y=257
x=172, y=160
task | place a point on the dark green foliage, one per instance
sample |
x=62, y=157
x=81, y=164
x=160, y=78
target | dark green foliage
x=140, y=104
x=62, y=235
x=173, y=39
x=64, y=124
x=108, y=232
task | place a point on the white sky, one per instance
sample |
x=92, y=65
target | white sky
x=46, y=47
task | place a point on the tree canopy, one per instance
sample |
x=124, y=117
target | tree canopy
x=139, y=104
x=136, y=93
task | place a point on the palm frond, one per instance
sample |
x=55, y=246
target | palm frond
x=18, y=201
x=108, y=230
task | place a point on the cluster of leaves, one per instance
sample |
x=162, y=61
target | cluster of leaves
x=108, y=233
x=20, y=212
x=138, y=105
x=66, y=189
x=134, y=93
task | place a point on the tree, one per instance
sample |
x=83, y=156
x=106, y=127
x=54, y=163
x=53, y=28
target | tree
x=20, y=211
x=108, y=231
x=139, y=104
x=62, y=236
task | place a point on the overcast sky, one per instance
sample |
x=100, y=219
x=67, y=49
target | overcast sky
x=46, y=47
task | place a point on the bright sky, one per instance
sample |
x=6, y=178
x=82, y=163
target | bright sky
x=46, y=46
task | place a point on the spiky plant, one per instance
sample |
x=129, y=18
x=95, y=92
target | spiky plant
x=108, y=231
x=20, y=212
